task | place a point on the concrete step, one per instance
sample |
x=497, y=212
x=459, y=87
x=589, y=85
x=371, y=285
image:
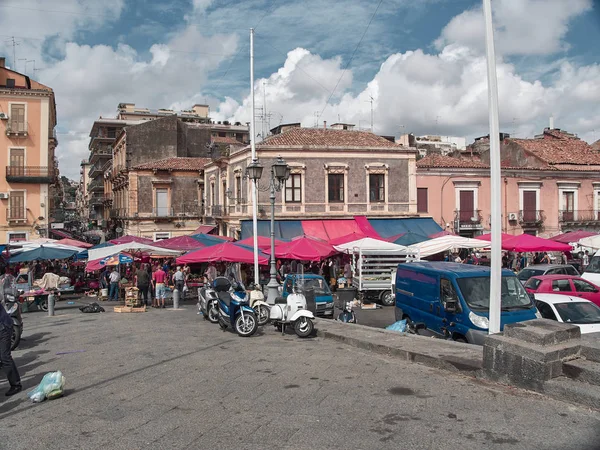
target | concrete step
x=590, y=347
x=568, y=390
x=582, y=370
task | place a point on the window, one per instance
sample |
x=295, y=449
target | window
x=583, y=286
x=17, y=205
x=212, y=194
x=222, y=134
x=533, y=283
x=17, y=161
x=568, y=205
x=17, y=118
x=545, y=310
x=293, y=188
x=570, y=270
x=162, y=202
x=561, y=286
x=161, y=236
x=238, y=188
x=376, y=187
x=17, y=237
x=422, y=206
x=336, y=187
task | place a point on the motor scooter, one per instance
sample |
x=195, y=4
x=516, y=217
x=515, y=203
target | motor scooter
x=208, y=304
x=13, y=308
x=347, y=315
x=258, y=304
x=233, y=310
x=293, y=310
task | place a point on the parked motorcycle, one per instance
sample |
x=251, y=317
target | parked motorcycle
x=13, y=308
x=293, y=310
x=260, y=307
x=234, y=310
x=347, y=315
x=208, y=304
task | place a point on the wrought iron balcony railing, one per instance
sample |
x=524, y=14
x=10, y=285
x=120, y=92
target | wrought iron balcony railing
x=531, y=217
x=30, y=174
x=578, y=216
x=468, y=217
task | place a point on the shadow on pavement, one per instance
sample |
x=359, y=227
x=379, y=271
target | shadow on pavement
x=29, y=341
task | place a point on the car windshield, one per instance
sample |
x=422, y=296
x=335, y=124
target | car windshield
x=526, y=274
x=579, y=312
x=318, y=284
x=476, y=292
x=594, y=265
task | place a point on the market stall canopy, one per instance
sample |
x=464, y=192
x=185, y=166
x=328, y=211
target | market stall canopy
x=225, y=252
x=26, y=246
x=208, y=240
x=304, y=249
x=573, y=236
x=264, y=243
x=128, y=238
x=591, y=242
x=370, y=245
x=99, y=253
x=352, y=237
x=74, y=243
x=441, y=233
x=528, y=243
x=204, y=229
x=182, y=243
x=445, y=243
x=43, y=253
x=113, y=260
x=84, y=254
x=408, y=238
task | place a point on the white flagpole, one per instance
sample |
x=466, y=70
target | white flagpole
x=253, y=147
x=495, y=175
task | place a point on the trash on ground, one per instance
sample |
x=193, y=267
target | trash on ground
x=52, y=386
x=399, y=326
x=92, y=308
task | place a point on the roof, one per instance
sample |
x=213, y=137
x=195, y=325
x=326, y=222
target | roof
x=326, y=137
x=554, y=299
x=556, y=147
x=178, y=163
x=457, y=269
x=596, y=145
x=438, y=161
x=226, y=140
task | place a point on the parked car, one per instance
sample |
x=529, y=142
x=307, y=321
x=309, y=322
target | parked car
x=453, y=300
x=592, y=271
x=323, y=295
x=546, y=269
x=569, y=309
x=564, y=284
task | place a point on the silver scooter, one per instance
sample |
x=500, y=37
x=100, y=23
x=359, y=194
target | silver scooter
x=208, y=303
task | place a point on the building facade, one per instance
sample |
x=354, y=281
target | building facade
x=550, y=184
x=81, y=200
x=433, y=143
x=27, y=144
x=335, y=173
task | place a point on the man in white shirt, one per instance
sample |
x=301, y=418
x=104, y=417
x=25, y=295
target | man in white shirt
x=114, y=279
x=179, y=280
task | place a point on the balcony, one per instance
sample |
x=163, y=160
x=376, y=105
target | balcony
x=468, y=219
x=16, y=129
x=96, y=186
x=96, y=169
x=216, y=211
x=30, y=174
x=108, y=199
x=531, y=218
x=580, y=217
x=16, y=215
x=118, y=213
x=101, y=153
x=96, y=200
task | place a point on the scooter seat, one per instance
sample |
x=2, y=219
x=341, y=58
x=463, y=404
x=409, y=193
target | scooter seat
x=224, y=297
x=280, y=301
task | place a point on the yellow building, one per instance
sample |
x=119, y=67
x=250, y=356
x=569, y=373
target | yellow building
x=27, y=163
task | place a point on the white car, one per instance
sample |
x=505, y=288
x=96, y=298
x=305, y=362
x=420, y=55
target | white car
x=569, y=309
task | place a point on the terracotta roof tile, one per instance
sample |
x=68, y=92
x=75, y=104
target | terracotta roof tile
x=596, y=145
x=449, y=162
x=556, y=147
x=226, y=140
x=321, y=137
x=180, y=163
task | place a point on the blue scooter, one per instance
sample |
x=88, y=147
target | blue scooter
x=234, y=310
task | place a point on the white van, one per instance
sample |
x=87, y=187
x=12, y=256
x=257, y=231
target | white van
x=592, y=271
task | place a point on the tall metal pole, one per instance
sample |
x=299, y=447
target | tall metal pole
x=273, y=286
x=253, y=147
x=495, y=175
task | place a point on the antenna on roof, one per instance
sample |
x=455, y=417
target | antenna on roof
x=14, y=46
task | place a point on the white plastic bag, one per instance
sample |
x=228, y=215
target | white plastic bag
x=52, y=386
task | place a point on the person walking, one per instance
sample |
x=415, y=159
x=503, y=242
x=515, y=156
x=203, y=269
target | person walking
x=142, y=281
x=179, y=279
x=586, y=259
x=159, y=278
x=114, y=279
x=6, y=330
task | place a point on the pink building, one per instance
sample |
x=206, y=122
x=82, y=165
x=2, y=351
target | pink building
x=550, y=184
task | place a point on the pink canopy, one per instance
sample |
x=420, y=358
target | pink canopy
x=528, y=243
x=304, y=248
x=572, y=236
x=74, y=243
x=204, y=229
x=183, y=243
x=440, y=234
x=127, y=239
x=225, y=252
x=264, y=243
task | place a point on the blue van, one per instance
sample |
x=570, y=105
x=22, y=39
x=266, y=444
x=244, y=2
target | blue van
x=323, y=295
x=453, y=299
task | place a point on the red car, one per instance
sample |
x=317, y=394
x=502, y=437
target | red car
x=564, y=284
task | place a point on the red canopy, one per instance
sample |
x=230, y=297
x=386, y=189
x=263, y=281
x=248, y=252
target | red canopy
x=127, y=239
x=183, y=243
x=354, y=236
x=264, y=243
x=74, y=243
x=440, y=234
x=528, y=243
x=204, y=229
x=572, y=236
x=304, y=248
x=225, y=252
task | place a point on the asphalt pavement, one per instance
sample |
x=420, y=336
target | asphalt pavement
x=168, y=379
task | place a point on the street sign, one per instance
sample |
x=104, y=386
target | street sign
x=57, y=226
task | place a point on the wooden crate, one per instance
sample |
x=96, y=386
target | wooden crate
x=129, y=309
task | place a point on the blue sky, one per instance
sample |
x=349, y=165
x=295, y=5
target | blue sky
x=421, y=61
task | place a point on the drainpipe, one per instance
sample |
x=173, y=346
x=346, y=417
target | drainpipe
x=505, y=206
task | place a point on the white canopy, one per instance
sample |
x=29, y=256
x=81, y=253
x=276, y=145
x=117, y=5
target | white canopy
x=370, y=245
x=443, y=243
x=103, y=252
x=32, y=245
x=591, y=242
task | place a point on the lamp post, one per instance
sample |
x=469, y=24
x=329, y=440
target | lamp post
x=280, y=172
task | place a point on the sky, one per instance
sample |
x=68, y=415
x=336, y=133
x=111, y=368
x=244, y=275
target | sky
x=419, y=66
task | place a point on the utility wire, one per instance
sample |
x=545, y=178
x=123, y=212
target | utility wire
x=352, y=57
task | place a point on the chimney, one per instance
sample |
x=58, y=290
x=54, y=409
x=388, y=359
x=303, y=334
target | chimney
x=2, y=61
x=552, y=122
x=324, y=124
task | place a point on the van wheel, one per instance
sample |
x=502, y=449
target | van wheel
x=387, y=298
x=460, y=338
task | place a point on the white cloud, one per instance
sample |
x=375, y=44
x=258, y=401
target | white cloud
x=522, y=27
